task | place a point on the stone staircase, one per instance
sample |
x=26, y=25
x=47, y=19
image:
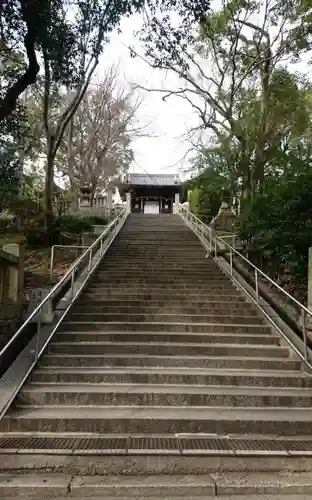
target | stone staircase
x=162, y=382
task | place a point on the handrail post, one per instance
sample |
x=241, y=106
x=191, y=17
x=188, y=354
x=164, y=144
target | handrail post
x=231, y=261
x=304, y=333
x=38, y=337
x=51, y=261
x=72, y=284
x=256, y=285
x=215, y=246
x=89, y=263
x=210, y=240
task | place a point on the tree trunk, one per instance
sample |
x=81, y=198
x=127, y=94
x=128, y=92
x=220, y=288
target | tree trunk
x=49, y=191
x=246, y=174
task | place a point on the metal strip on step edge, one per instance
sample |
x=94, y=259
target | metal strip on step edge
x=154, y=445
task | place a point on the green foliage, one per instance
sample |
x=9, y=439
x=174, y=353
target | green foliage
x=67, y=32
x=77, y=224
x=97, y=220
x=193, y=199
x=207, y=196
x=214, y=183
x=6, y=220
x=166, y=37
x=278, y=225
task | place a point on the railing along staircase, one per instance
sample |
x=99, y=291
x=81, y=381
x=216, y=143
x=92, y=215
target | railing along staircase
x=163, y=375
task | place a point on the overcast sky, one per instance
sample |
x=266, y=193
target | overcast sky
x=168, y=122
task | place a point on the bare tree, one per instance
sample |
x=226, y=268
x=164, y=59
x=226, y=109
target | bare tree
x=99, y=136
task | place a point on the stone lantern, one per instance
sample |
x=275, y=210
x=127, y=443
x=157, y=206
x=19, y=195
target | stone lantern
x=85, y=198
x=225, y=218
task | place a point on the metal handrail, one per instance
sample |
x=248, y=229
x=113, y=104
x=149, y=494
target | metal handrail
x=69, y=274
x=211, y=245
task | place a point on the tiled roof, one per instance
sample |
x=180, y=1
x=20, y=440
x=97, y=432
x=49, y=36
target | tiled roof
x=153, y=179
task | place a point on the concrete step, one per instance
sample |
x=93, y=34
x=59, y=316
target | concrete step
x=213, y=338
x=161, y=345
x=160, y=317
x=166, y=240
x=153, y=246
x=141, y=293
x=84, y=306
x=167, y=349
x=188, y=361
x=120, y=271
x=151, y=251
x=147, y=257
x=124, y=487
x=125, y=294
x=159, y=276
x=151, y=454
x=152, y=307
x=178, y=327
x=240, y=497
x=114, y=263
x=172, y=375
x=161, y=395
x=187, y=269
x=169, y=261
x=155, y=285
x=159, y=420
x=168, y=236
x=57, y=485
x=155, y=292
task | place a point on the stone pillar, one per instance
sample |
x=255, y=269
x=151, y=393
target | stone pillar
x=128, y=200
x=110, y=199
x=15, y=281
x=176, y=202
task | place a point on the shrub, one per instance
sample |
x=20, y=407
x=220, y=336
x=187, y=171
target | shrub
x=6, y=219
x=278, y=226
x=77, y=224
x=37, y=236
x=97, y=220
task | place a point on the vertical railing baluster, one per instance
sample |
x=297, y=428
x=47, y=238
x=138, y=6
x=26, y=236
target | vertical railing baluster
x=38, y=335
x=231, y=261
x=89, y=263
x=304, y=331
x=256, y=285
x=72, y=284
